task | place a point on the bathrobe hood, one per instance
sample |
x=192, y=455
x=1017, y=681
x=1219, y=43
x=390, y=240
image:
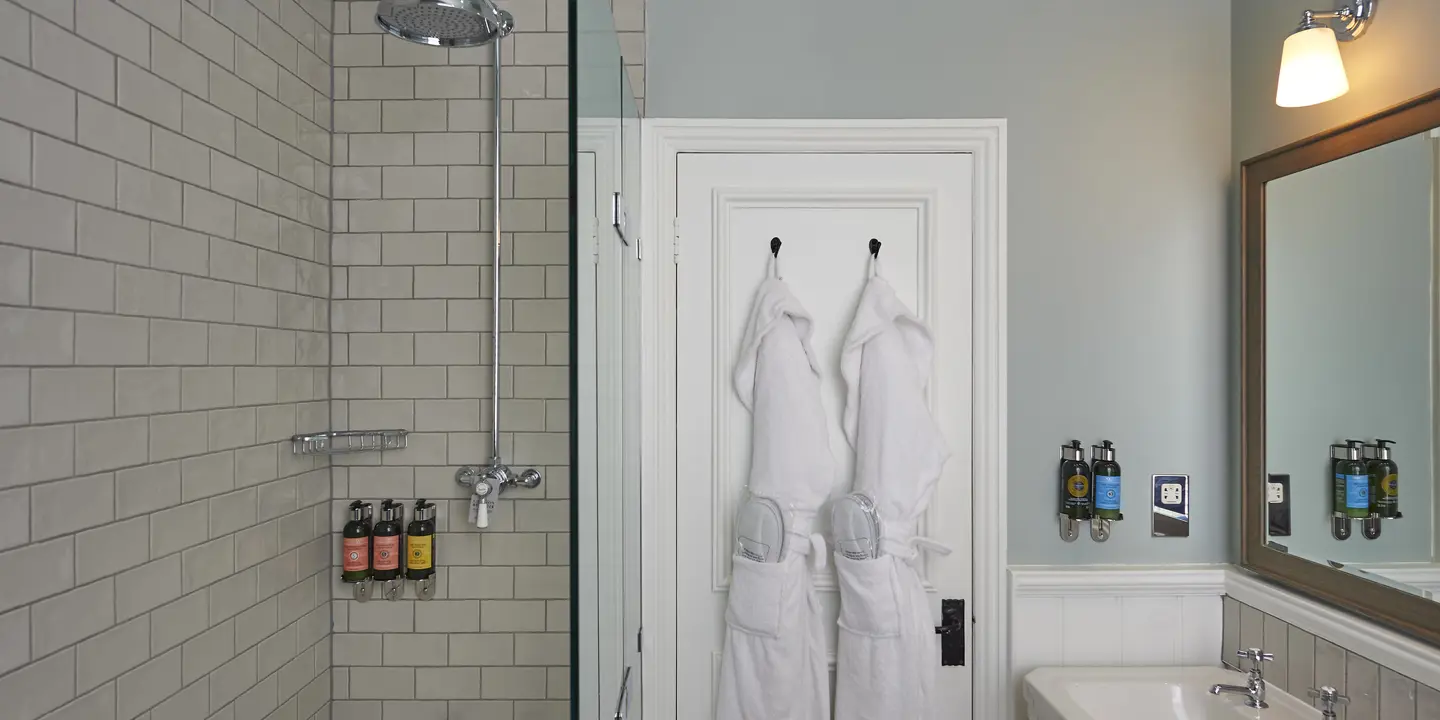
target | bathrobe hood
x=899, y=451
x=777, y=378
x=775, y=665
x=886, y=647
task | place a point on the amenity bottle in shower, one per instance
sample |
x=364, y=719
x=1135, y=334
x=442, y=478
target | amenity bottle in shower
x=420, y=549
x=386, y=543
x=355, y=545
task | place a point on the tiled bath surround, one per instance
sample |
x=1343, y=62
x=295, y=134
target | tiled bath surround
x=164, y=169
x=411, y=349
x=1303, y=661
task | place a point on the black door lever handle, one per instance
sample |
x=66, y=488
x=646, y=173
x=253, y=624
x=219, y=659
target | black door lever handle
x=952, y=632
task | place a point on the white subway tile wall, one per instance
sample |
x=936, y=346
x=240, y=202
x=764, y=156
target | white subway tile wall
x=173, y=307
x=413, y=202
x=164, y=303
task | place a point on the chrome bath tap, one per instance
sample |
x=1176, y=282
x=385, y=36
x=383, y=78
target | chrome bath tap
x=1254, y=687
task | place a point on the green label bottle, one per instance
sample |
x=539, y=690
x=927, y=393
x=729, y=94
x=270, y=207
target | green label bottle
x=1384, y=482
x=1106, y=481
x=1352, y=487
x=1075, y=499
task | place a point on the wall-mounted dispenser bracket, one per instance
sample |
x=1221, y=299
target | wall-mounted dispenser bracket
x=1069, y=528
x=1340, y=526
x=1370, y=526
x=1100, y=528
x=361, y=590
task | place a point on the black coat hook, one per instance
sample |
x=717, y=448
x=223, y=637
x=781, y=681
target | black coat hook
x=874, y=248
x=775, y=247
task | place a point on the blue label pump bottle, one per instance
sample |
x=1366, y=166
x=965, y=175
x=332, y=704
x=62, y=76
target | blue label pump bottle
x=1106, y=490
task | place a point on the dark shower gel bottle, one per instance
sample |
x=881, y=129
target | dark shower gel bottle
x=1075, y=500
x=1384, y=482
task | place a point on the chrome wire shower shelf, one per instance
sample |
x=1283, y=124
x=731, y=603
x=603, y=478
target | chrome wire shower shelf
x=348, y=441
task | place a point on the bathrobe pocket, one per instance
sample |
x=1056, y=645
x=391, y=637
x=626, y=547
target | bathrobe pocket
x=871, y=605
x=757, y=596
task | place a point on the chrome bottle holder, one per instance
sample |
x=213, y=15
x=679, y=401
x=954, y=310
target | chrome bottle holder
x=1340, y=526
x=362, y=590
x=1069, y=528
x=425, y=589
x=1099, y=529
x=393, y=589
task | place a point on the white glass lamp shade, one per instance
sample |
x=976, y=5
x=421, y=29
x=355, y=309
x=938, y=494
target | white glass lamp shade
x=1311, y=70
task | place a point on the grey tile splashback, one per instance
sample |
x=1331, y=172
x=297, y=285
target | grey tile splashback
x=1303, y=661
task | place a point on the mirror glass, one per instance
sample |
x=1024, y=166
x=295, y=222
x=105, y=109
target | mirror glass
x=1350, y=355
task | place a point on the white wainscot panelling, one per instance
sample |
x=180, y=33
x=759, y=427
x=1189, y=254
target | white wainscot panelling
x=1113, y=616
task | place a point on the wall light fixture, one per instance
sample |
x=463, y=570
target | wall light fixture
x=1311, y=70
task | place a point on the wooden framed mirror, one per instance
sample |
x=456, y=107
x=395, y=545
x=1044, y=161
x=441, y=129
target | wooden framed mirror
x=1340, y=341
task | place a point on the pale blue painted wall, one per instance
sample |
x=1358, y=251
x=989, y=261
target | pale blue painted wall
x=1119, y=164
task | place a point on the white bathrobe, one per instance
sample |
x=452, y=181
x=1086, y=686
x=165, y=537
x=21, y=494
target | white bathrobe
x=774, y=666
x=888, y=651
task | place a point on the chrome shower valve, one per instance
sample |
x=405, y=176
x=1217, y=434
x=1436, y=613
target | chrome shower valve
x=492, y=480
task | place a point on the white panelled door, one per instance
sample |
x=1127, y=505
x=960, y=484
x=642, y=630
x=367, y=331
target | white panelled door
x=825, y=208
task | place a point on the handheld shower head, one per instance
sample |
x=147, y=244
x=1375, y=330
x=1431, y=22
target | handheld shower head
x=444, y=23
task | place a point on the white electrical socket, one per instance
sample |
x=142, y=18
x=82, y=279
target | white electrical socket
x=1172, y=493
x=1274, y=493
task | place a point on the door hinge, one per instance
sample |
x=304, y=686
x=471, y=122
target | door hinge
x=640, y=640
x=595, y=240
x=675, y=240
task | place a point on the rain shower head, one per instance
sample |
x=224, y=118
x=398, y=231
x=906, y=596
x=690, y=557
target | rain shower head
x=445, y=23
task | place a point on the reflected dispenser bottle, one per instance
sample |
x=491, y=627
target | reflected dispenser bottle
x=1352, y=485
x=1384, y=482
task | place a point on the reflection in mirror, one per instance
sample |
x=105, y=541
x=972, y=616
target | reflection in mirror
x=1350, y=362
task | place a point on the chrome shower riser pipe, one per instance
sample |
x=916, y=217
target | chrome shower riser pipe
x=466, y=23
x=496, y=476
x=495, y=279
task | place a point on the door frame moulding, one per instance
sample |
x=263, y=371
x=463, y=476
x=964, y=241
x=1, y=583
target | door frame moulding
x=592, y=561
x=663, y=140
